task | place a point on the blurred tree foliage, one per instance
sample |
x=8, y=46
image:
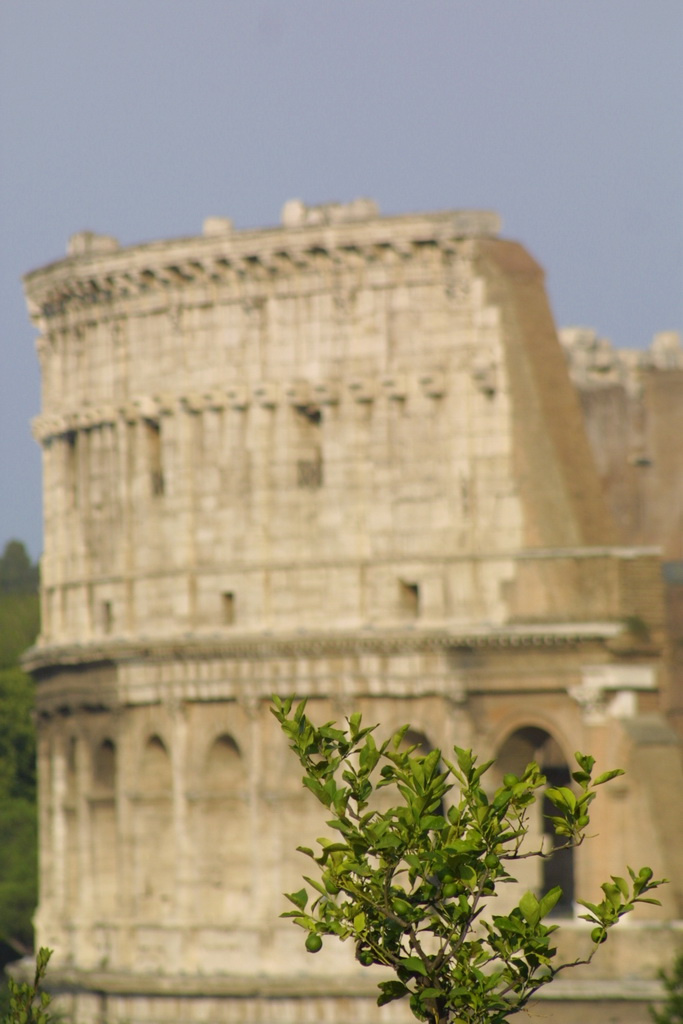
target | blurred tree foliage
x=19, y=623
x=672, y=1010
x=18, y=574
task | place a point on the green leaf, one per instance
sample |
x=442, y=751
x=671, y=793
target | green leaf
x=354, y=723
x=299, y=899
x=414, y=965
x=549, y=900
x=314, y=787
x=316, y=885
x=606, y=776
x=468, y=875
x=391, y=990
x=622, y=885
x=369, y=755
x=530, y=908
x=561, y=796
x=403, y=880
x=584, y=761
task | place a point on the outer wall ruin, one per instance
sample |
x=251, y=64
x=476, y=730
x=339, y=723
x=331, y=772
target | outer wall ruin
x=341, y=458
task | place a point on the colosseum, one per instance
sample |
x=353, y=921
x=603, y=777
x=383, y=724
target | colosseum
x=341, y=458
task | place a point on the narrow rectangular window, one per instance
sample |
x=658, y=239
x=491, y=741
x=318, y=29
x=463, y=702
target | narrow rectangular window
x=70, y=440
x=409, y=599
x=309, y=467
x=107, y=617
x=228, y=606
x=309, y=474
x=156, y=471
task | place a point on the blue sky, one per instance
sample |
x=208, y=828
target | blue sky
x=139, y=118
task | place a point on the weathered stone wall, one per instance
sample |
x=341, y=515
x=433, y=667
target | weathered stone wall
x=343, y=459
x=633, y=408
x=632, y=404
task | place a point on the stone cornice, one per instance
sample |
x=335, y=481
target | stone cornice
x=261, y=646
x=98, y=273
x=276, y=986
x=297, y=393
x=351, y=985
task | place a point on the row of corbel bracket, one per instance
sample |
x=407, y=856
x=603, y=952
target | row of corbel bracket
x=105, y=287
x=298, y=394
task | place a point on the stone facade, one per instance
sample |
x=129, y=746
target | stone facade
x=342, y=458
x=633, y=407
x=632, y=403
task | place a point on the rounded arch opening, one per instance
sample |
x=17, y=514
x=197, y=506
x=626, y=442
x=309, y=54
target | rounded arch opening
x=533, y=743
x=530, y=743
x=156, y=765
x=223, y=766
x=418, y=739
x=154, y=852
x=221, y=832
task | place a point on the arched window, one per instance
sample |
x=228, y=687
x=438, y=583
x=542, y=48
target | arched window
x=221, y=832
x=223, y=765
x=413, y=738
x=154, y=849
x=72, y=867
x=155, y=767
x=104, y=830
x=534, y=744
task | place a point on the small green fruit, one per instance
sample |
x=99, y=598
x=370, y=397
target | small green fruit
x=313, y=943
x=450, y=889
x=401, y=907
x=491, y=861
x=598, y=935
x=510, y=780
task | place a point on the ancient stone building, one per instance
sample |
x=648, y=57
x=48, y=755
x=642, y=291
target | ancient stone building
x=340, y=458
x=632, y=402
x=633, y=408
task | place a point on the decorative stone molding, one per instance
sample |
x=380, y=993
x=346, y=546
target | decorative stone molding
x=395, y=386
x=88, y=243
x=608, y=691
x=296, y=214
x=595, y=363
x=99, y=272
x=326, y=392
x=485, y=373
x=268, y=646
x=362, y=389
x=213, y=226
x=238, y=397
x=298, y=393
x=266, y=394
x=194, y=403
x=433, y=384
